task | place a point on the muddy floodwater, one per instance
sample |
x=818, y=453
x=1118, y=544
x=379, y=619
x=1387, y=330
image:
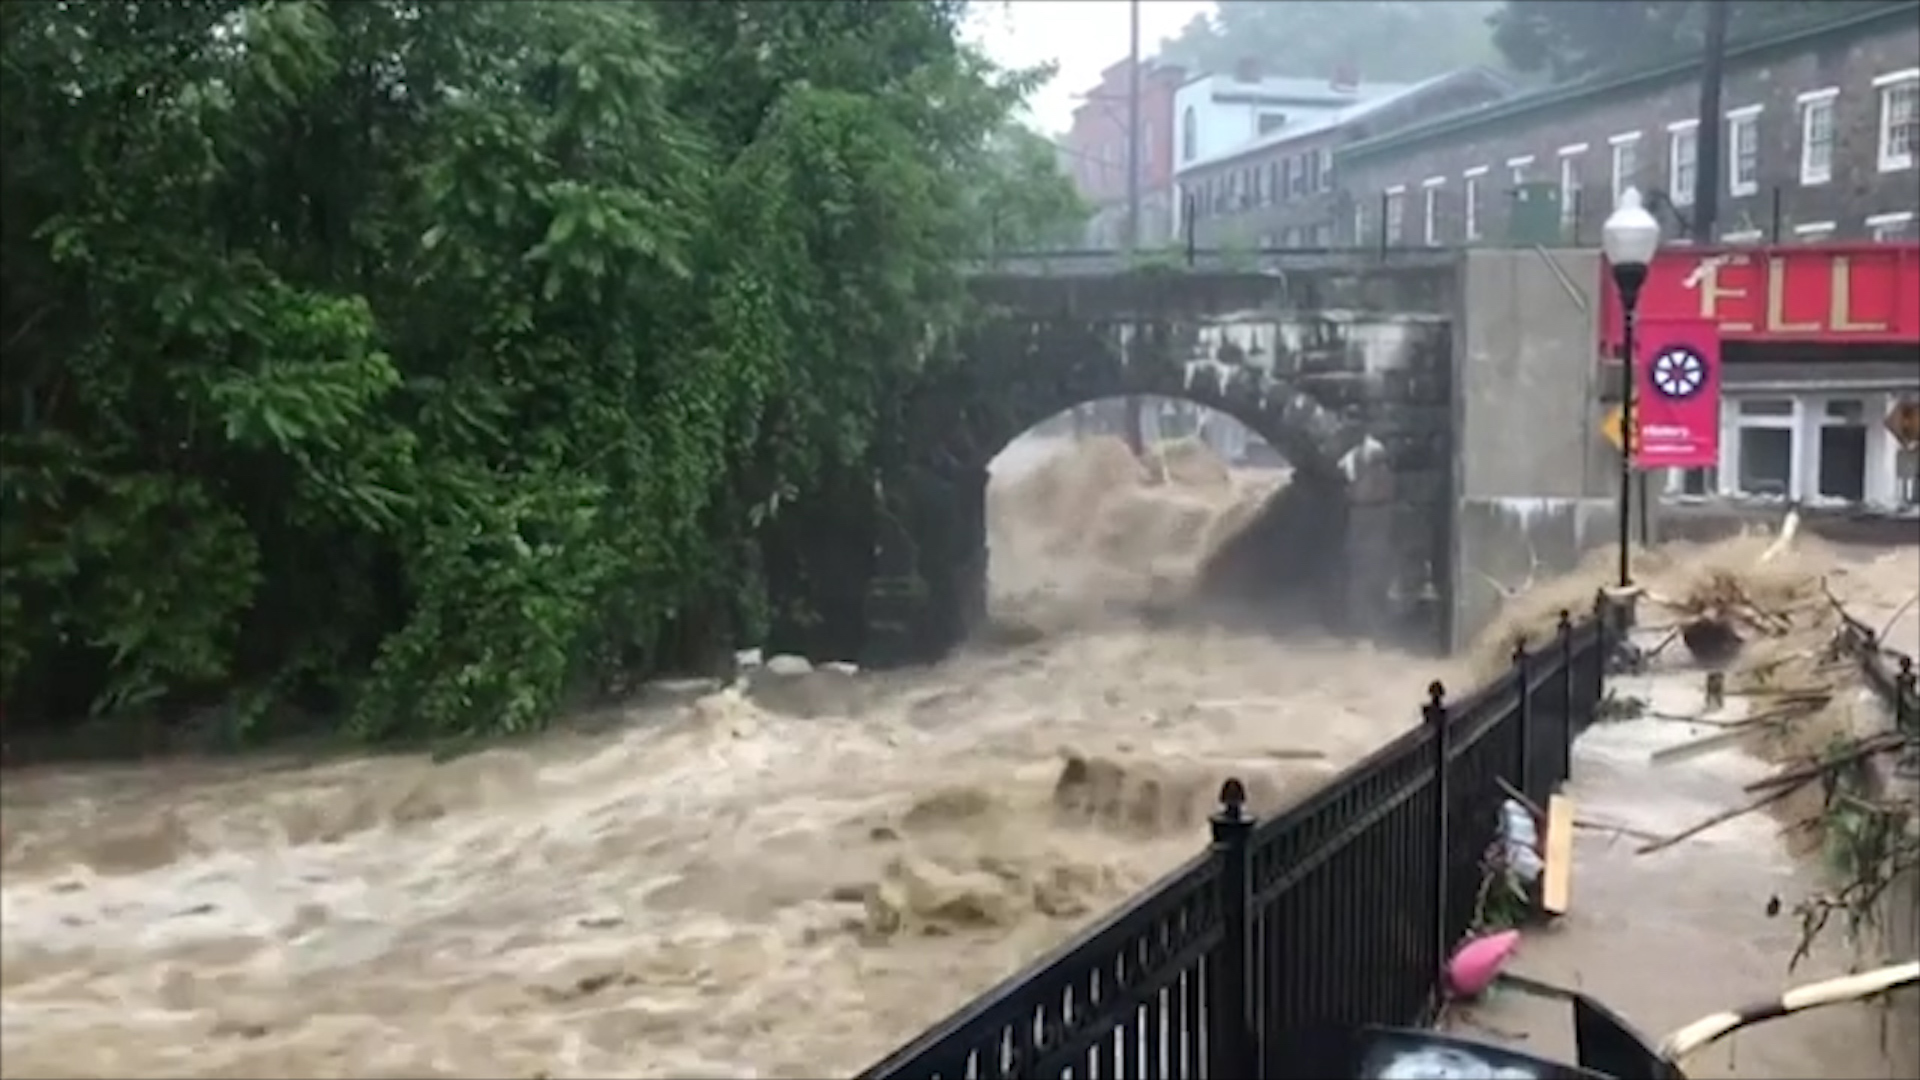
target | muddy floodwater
x=785, y=881
x=782, y=879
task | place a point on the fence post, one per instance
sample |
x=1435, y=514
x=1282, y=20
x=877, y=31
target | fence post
x=1523, y=670
x=1906, y=716
x=1434, y=714
x=1564, y=754
x=1232, y=1043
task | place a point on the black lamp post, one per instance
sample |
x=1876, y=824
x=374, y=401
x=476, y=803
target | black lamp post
x=1629, y=238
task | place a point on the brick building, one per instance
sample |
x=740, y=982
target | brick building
x=1276, y=188
x=1819, y=143
x=1094, y=150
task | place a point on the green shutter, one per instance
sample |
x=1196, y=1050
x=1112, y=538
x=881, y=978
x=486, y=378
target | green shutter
x=1533, y=215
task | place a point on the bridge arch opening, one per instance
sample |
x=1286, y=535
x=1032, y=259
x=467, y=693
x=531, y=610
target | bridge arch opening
x=1161, y=508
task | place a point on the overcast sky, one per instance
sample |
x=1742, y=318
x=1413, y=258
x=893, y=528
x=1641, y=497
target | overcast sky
x=1081, y=36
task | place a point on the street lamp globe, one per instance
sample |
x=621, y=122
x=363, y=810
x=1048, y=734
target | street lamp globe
x=1631, y=235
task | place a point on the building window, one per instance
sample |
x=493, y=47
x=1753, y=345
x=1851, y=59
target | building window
x=1470, y=202
x=1271, y=122
x=1683, y=160
x=1810, y=446
x=1842, y=451
x=1570, y=190
x=1763, y=447
x=1299, y=175
x=1359, y=224
x=1518, y=169
x=1430, y=210
x=1813, y=232
x=1189, y=135
x=1693, y=483
x=1326, y=168
x=1899, y=118
x=1816, y=135
x=1885, y=228
x=1743, y=151
x=1626, y=162
x=1396, y=213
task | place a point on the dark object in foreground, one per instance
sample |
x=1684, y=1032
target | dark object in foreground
x=1609, y=1049
x=1711, y=641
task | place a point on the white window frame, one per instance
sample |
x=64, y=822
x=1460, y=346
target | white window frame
x=1886, y=227
x=1815, y=106
x=1629, y=142
x=1517, y=168
x=1808, y=418
x=1430, y=209
x=1570, y=186
x=1813, y=232
x=1743, y=147
x=1872, y=407
x=1470, y=201
x=1890, y=85
x=1794, y=423
x=1682, y=133
x=1396, y=214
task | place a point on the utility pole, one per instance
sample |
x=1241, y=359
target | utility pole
x=1136, y=437
x=1711, y=133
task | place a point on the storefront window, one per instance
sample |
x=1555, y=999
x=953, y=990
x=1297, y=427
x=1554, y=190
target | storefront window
x=1766, y=461
x=1843, y=451
x=1764, y=446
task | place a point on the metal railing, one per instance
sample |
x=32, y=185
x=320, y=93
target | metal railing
x=1340, y=909
x=1890, y=674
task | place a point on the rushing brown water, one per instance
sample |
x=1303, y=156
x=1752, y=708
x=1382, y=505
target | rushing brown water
x=783, y=879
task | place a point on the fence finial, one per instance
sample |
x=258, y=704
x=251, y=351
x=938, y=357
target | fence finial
x=1231, y=822
x=1436, y=692
x=1233, y=795
x=1565, y=624
x=1519, y=649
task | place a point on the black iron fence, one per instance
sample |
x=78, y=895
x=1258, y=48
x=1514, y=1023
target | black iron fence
x=1339, y=910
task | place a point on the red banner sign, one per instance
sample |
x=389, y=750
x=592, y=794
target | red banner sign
x=1834, y=293
x=1677, y=393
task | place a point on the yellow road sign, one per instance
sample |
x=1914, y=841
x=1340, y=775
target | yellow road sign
x=1610, y=426
x=1903, y=421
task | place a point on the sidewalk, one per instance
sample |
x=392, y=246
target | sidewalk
x=1668, y=937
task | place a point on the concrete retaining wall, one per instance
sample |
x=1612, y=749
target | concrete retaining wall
x=1536, y=482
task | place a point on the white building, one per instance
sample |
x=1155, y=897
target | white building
x=1217, y=114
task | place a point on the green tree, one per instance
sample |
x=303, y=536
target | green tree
x=1028, y=203
x=426, y=361
x=1566, y=39
x=1384, y=40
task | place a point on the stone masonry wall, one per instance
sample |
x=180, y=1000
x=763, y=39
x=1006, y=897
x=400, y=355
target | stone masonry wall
x=1343, y=367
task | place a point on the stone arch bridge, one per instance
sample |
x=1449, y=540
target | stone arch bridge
x=1342, y=367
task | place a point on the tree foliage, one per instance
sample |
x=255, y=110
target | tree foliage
x=1384, y=40
x=426, y=359
x=1570, y=38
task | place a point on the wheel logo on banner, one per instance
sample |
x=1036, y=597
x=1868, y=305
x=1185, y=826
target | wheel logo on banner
x=1679, y=373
